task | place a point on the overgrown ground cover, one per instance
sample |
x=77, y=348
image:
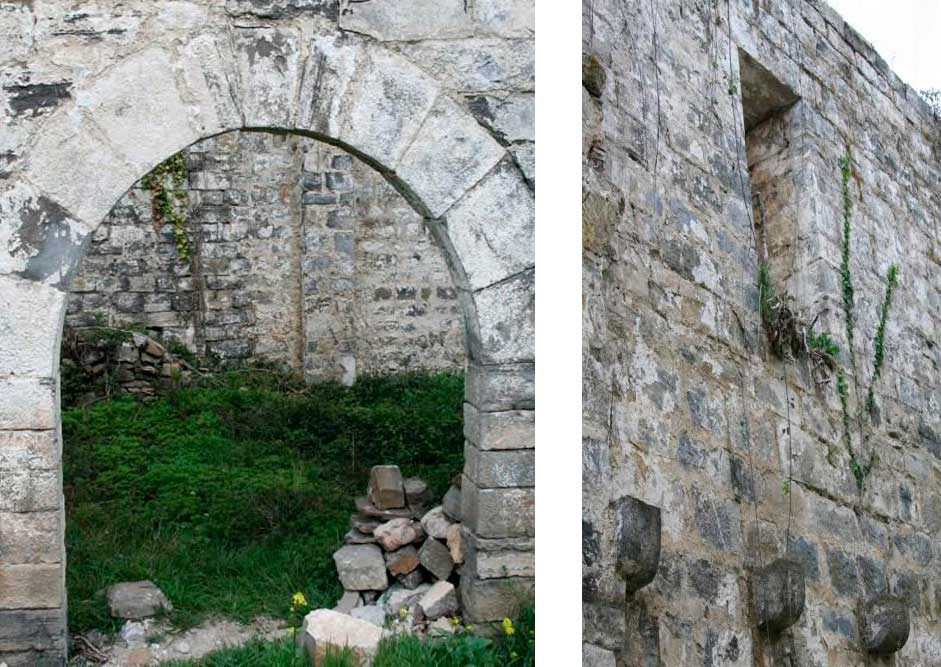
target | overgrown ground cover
x=233, y=494
x=513, y=645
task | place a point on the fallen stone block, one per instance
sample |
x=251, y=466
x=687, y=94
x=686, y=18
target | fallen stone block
x=451, y=504
x=436, y=523
x=326, y=631
x=136, y=600
x=455, y=542
x=397, y=533
x=436, y=558
x=386, y=490
x=349, y=601
x=361, y=567
x=371, y=613
x=402, y=561
x=440, y=600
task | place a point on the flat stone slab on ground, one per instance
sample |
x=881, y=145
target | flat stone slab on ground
x=135, y=600
x=361, y=567
x=326, y=630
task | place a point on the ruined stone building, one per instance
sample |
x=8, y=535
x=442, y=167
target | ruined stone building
x=761, y=201
x=434, y=95
x=292, y=251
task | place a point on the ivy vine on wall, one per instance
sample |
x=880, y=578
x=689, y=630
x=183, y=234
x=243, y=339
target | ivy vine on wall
x=170, y=201
x=790, y=336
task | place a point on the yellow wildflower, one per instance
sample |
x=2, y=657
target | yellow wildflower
x=403, y=612
x=455, y=621
x=298, y=601
x=508, y=627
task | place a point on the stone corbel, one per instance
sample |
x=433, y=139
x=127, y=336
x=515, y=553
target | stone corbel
x=637, y=530
x=884, y=624
x=778, y=595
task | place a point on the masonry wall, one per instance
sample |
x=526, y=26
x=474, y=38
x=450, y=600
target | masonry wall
x=295, y=253
x=685, y=407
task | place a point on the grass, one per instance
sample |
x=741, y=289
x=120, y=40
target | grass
x=234, y=494
x=514, y=646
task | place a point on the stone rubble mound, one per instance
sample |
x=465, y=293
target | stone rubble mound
x=401, y=564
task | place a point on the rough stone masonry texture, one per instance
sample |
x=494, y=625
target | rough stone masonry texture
x=685, y=408
x=94, y=97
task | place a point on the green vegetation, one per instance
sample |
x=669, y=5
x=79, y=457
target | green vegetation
x=513, y=646
x=167, y=184
x=860, y=470
x=233, y=494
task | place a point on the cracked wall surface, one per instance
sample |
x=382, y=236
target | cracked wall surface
x=685, y=407
x=94, y=95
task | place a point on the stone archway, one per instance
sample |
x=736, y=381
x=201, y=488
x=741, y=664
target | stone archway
x=340, y=89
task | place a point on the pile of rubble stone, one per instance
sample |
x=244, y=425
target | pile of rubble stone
x=402, y=561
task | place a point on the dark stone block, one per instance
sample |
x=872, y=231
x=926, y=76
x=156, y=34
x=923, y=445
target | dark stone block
x=742, y=483
x=805, y=553
x=705, y=579
x=778, y=595
x=637, y=531
x=843, y=573
x=593, y=75
x=884, y=625
x=33, y=98
x=872, y=573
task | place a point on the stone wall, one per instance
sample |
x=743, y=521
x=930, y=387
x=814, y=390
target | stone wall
x=437, y=96
x=298, y=254
x=685, y=406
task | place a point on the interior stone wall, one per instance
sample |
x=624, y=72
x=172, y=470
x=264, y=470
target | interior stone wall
x=300, y=254
x=685, y=407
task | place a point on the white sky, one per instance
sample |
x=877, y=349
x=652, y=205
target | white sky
x=907, y=33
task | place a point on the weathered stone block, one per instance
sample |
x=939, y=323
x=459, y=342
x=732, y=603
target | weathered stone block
x=506, y=318
x=498, y=512
x=39, y=240
x=27, y=404
x=500, y=468
x=493, y=599
x=29, y=450
x=778, y=595
x=30, y=491
x=511, y=429
x=136, y=600
x=31, y=537
x=402, y=561
x=496, y=558
x=87, y=201
x=33, y=586
x=436, y=558
x=269, y=67
x=884, y=625
x=439, y=600
x=386, y=490
x=407, y=20
x=448, y=157
x=637, y=534
x=397, y=533
x=29, y=331
x=595, y=656
x=328, y=631
x=494, y=388
x=493, y=252
x=32, y=630
x=361, y=567
x=506, y=18
x=436, y=523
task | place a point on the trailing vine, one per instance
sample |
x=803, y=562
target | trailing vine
x=861, y=470
x=169, y=203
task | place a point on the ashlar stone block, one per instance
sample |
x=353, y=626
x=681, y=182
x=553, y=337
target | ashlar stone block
x=448, y=157
x=407, y=20
x=492, y=229
x=269, y=67
x=30, y=328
